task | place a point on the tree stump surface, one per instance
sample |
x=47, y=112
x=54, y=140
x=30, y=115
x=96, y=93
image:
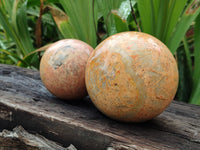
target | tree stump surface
x=25, y=101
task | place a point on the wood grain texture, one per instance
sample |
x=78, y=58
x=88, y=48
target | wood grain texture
x=20, y=139
x=25, y=101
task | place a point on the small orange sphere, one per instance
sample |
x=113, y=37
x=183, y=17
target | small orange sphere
x=62, y=68
x=131, y=76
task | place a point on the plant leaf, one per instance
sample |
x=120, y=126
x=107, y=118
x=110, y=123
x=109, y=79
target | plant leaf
x=62, y=21
x=185, y=82
x=9, y=29
x=29, y=61
x=31, y=57
x=125, y=10
x=106, y=7
x=120, y=24
x=46, y=18
x=188, y=57
x=146, y=15
x=176, y=8
x=13, y=55
x=22, y=29
x=197, y=50
x=195, y=98
x=17, y=29
x=83, y=18
x=186, y=19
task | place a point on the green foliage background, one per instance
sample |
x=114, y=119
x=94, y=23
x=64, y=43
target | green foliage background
x=28, y=26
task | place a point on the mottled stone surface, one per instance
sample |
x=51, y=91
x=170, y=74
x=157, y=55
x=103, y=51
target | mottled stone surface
x=62, y=68
x=131, y=76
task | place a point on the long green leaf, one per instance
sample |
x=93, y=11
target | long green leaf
x=161, y=19
x=83, y=17
x=30, y=61
x=176, y=7
x=62, y=21
x=15, y=24
x=22, y=29
x=30, y=58
x=195, y=98
x=186, y=19
x=197, y=50
x=9, y=29
x=7, y=6
x=185, y=80
x=146, y=15
x=188, y=57
x=13, y=55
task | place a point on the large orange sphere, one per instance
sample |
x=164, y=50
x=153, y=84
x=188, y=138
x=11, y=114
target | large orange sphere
x=131, y=76
x=62, y=68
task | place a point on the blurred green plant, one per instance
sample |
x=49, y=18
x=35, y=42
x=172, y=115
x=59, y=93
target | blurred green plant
x=195, y=95
x=117, y=15
x=169, y=21
x=81, y=20
x=14, y=21
x=5, y=43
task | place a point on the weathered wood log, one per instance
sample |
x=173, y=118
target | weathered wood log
x=20, y=139
x=25, y=101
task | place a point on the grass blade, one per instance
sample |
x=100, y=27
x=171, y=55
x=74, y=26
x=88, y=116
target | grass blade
x=22, y=29
x=195, y=98
x=12, y=55
x=62, y=21
x=18, y=28
x=188, y=56
x=185, y=82
x=146, y=15
x=187, y=18
x=83, y=17
x=31, y=56
x=197, y=50
x=9, y=29
x=176, y=7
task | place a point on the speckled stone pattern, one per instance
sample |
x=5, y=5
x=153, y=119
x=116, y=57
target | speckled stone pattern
x=62, y=68
x=131, y=76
